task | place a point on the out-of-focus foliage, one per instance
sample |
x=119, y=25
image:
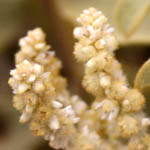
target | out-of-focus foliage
x=129, y=17
x=130, y=14
x=142, y=80
x=133, y=18
x=11, y=13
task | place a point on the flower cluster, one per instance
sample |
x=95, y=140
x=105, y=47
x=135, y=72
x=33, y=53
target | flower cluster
x=118, y=108
x=114, y=121
x=42, y=97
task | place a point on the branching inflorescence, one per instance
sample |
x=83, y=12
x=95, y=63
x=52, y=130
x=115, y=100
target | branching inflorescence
x=114, y=121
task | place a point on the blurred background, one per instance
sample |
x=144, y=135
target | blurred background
x=57, y=18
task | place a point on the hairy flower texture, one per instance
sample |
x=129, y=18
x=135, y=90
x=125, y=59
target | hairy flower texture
x=43, y=99
x=115, y=120
x=117, y=108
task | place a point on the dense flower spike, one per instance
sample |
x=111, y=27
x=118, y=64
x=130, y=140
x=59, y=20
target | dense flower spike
x=114, y=121
x=42, y=97
x=117, y=107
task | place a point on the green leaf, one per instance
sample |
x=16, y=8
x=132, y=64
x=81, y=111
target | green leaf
x=129, y=14
x=142, y=80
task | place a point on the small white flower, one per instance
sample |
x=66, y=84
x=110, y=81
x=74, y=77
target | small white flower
x=38, y=86
x=54, y=123
x=31, y=78
x=22, y=42
x=37, y=68
x=69, y=112
x=39, y=45
x=46, y=137
x=29, y=109
x=145, y=122
x=22, y=88
x=13, y=72
x=105, y=81
x=24, y=117
x=57, y=104
x=78, y=32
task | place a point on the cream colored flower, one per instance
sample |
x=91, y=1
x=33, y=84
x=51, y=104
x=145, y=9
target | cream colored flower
x=114, y=121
